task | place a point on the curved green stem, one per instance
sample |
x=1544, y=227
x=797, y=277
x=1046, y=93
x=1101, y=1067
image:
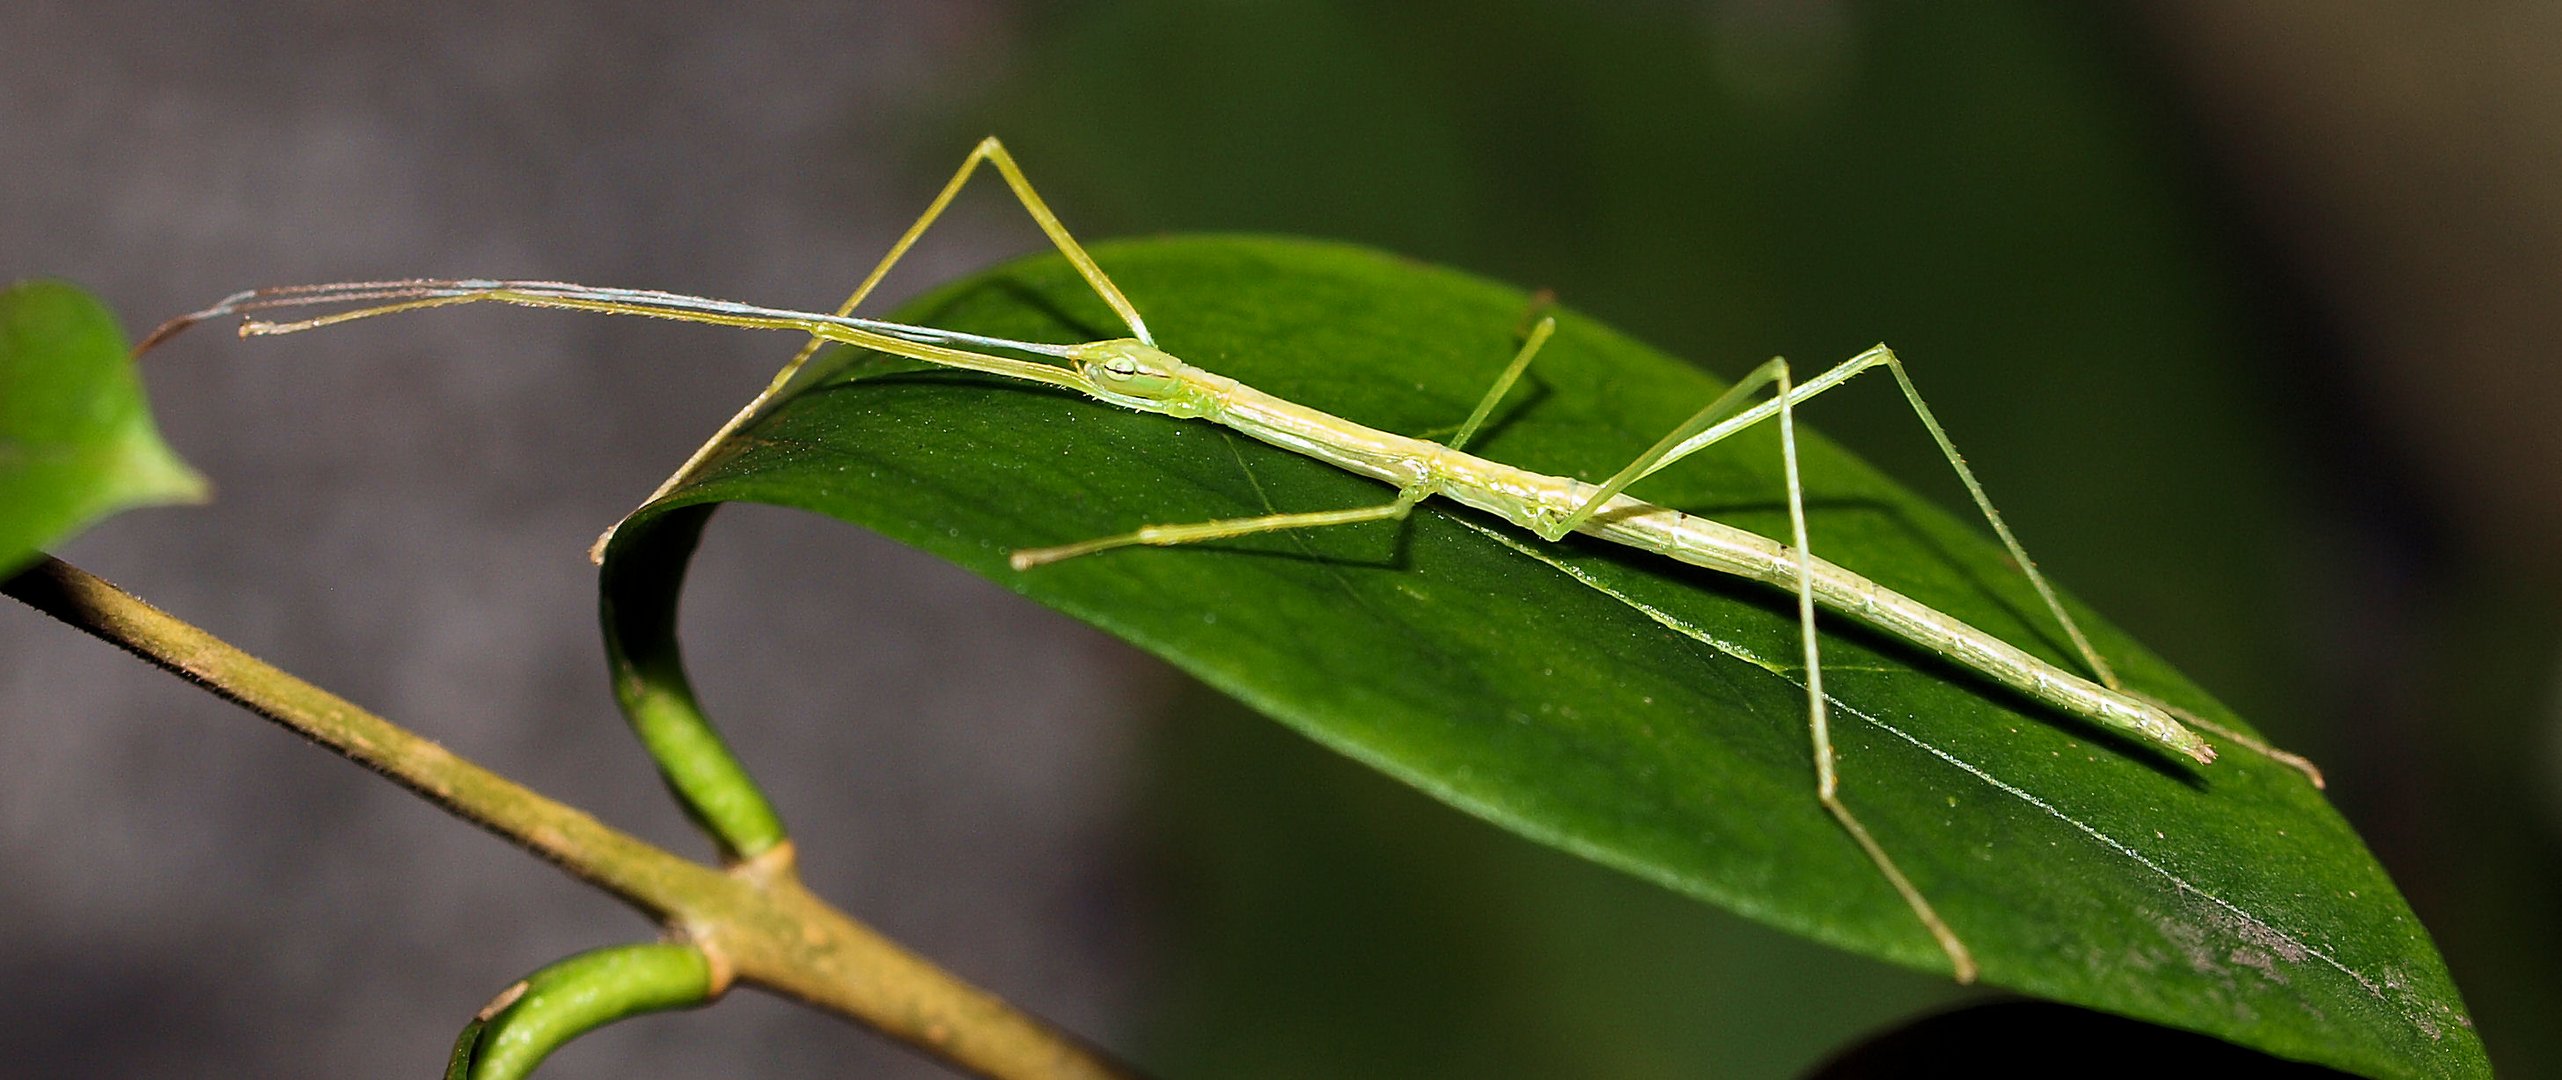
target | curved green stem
x=755, y=921
x=572, y=997
x=649, y=681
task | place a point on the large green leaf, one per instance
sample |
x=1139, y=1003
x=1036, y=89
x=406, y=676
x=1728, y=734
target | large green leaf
x=1610, y=702
x=76, y=439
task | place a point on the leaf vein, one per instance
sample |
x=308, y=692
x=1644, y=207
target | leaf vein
x=1677, y=625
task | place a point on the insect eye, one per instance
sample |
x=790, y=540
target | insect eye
x=1121, y=368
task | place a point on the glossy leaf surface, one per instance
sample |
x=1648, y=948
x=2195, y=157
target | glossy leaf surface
x=1609, y=701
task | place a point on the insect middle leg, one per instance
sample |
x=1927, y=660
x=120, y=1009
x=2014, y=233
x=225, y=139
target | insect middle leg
x=1407, y=497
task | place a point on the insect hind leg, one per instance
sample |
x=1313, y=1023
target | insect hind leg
x=1881, y=356
x=1818, y=718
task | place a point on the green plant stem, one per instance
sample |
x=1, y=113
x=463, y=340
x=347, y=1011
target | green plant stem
x=755, y=921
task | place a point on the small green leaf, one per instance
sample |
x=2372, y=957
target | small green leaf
x=76, y=438
x=1611, y=702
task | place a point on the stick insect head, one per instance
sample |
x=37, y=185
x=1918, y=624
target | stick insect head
x=1134, y=374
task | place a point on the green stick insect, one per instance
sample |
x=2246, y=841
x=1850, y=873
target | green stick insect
x=1134, y=373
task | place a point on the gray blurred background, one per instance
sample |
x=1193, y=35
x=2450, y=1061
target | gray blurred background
x=2241, y=310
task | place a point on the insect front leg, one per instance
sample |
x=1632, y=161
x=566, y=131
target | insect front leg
x=992, y=152
x=988, y=151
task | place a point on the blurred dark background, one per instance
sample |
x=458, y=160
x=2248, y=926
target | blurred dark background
x=2241, y=310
